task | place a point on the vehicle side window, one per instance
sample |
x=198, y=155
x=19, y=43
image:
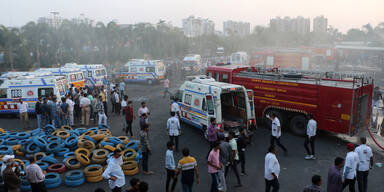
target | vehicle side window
x=133, y=69
x=79, y=76
x=73, y=77
x=217, y=76
x=16, y=93
x=204, y=105
x=150, y=69
x=225, y=78
x=44, y=92
x=89, y=73
x=188, y=99
x=3, y=93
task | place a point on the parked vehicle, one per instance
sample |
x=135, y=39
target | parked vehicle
x=201, y=98
x=192, y=64
x=74, y=76
x=340, y=105
x=140, y=70
x=93, y=73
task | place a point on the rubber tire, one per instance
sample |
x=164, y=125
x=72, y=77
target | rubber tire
x=74, y=174
x=98, y=161
x=39, y=154
x=49, y=159
x=100, y=153
x=131, y=157
x=70, y=165
x=39, y=141
x=92, y=171
x=11, y=141
x=94, y=179
x=30, y=150
x=115, y=140
x=110, y=148
x=63, y=134
x=54, y=147
x=69, y=154
x=57, y=167
x=71, y=141
x=74, y=183
x=16, y=147
x=298, y=125
x=61, y=152
x=82, y=151
x=89, y=138
x=83, y=159
x=129, y=165
x=98, y=137
x=53, y=185
x=133, y=171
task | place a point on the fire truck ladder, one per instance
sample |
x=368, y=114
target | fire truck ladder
x=329, y=74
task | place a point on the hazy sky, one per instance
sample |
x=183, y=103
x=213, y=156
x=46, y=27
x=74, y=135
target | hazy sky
x=342, y=14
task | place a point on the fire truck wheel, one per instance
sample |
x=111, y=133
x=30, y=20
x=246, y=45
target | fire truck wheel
x=298, y=125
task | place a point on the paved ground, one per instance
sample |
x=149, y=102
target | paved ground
x=295, y=171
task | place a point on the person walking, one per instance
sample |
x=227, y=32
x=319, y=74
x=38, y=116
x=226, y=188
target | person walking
x=143, y=109
x=117, y=100
x=104, y=100
x=11, y=175
x=70, y=109
x=310, y=138
x=38, y=112
x=23, y=112
x=143, y=121
x=166, y=87
x=123, y=106
x=214, y=166
x=335, y=183
x=45, y=112
x=174, y=130
x=271, y=170
x=349, y=172
x=94, y=112
x=114, y=173
x=316, y=183
x=129, y=117
x=170, y=167
x=122, y=88
x=35, y=176
x=212, y=132
x=276, y=132
x=134, y=182
x=175, y=107
x=234, y=157
x=187, y=166
x=101, y=113
x=242, y=142
x=145, y=148
x=85, y=104
x=55, y=112
x=225, y=158
x=64, y=112
x=365, y=155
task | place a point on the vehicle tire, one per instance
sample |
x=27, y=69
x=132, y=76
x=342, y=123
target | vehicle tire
x=52, y=178
x=83, y=159
x=82, y=151
x=132, y=145
x=31, y=148
x=69, y=154
x=104, y=143
x=98, y=161
x=54, y=139
x=115, y=140
x=74, y=175
x=81, y=130
x=23, y=135
x=104, y=131
x=124, y=139
x=92, y=171
x=98, y=137
x=88, y=145
x=74, y=183
x=110, y=148
x=57, y=167
x=129, y=154
x=49, y=129
x=53, y=185
x=42, y=165
x=61, y=152
x=149, y=81
x=100, y=154
x=16, y=147
x=11, y=141
x=72, y=163
x=39, y=155
x=94, y=129
x=4, y=135
x=94, y=179
x=298, y=125
x=86, y=137
x=39, y=141
x=49, y=159
x=129, y=165
x=66, y=127
x=89, y=133
x=132, y=171
x=63, y=134
x=53, y=147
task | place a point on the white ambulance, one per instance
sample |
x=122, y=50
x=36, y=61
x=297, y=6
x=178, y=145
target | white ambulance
x=29, y=88
x=202, y=97
x=140, y=70
x=93, y=73
x=74, y=76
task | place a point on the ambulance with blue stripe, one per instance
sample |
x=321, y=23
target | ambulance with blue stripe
x=74, y=76
x=140, y=70
x=93, y=73
x=202, y=98
x=29, y=88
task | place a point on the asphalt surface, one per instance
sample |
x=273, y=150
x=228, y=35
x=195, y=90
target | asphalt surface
x=295, y=171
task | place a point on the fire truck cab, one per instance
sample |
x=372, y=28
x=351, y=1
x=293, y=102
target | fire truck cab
x=201, y=98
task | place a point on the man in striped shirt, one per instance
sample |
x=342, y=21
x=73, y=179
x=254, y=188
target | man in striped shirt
x=188, y=168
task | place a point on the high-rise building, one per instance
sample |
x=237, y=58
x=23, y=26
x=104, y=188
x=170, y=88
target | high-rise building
x=53, y=21
x=320, y=24
x=299, y=24
x=236, y=28
x=194, y=27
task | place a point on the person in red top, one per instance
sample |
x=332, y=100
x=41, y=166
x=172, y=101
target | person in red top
x=129, y=118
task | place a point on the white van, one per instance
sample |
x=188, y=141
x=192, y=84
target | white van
x=74, y=76
x=192, y=64
x=202, y=98
x=140, y=70
x=29, y=88
x=93, y=73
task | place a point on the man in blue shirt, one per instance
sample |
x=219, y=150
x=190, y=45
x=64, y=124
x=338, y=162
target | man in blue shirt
x=122, y=88
x=170, y=167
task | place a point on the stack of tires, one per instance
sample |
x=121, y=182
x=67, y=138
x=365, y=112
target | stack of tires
x=74, y=178
x=93, y=173
x=130, y=167
x=99, y=156
x=52, y=180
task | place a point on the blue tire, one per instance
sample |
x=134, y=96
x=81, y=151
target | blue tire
x=2, y=141
x=69, y=154
x=51, y=178
x=81, y=130
x=74, y=175
x=26, y=187
x=11, y=141
x=23, y=142
x=5, y=150
x=54, y=139
x=104, y=126
x=74, y=133
x=115, y=140
x=39, y=141
x=26, y=162
x=4, y=135
x=53, y=147
x=49, y=129
x=23, y=135
x=132, y=145
x=12, y=135
x=32, y=148
x=53, y=185
x=74, y=183
x=61, y=152
x=104, y=143
x=89, y=138
x=49, y=159
x=42, y=165
x=94, y=129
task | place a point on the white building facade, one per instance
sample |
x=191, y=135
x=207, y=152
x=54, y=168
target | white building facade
x=236, y=28
x=194, y=27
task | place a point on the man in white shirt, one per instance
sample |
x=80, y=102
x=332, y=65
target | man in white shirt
x=173, y=127
x=310, y=138
x=23, y=110
x=85, y=105
x=349, y=172
x=175, y=107
x=143, y=109
x=276, y=132
x=365, y=155
x=70, y=109
x=271, y=170
x=234, y=157
x=117, y=101
x=114, y=173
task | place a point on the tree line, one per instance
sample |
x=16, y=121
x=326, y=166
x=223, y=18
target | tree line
x=39, y=45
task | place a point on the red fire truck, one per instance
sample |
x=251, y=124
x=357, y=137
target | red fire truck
x=340, y=105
